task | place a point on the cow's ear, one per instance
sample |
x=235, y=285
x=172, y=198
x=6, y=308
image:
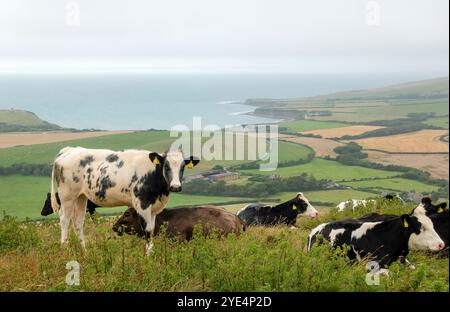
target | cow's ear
x=191, y=162
x=426, y=200
x=156, y=159
x=406, y=220
x=442, y=207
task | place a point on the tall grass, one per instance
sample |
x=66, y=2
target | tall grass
x=260, y=259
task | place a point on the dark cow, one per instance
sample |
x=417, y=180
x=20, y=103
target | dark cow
x=382, y=240
x=133, y=178
x=47, y=209
x=182, y=221
x=285, y=213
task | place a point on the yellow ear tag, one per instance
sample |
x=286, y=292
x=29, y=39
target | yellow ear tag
x=294, y=207
x=156, y=161
x=190, y=165
x=440, y=210
x=405, y=224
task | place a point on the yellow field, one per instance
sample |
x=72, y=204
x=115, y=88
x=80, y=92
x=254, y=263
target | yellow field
x=424, y=141
x=30, y=138
x=339, y=132
x=435, y=164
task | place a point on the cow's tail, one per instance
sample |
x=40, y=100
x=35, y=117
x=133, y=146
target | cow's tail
x=54, y=201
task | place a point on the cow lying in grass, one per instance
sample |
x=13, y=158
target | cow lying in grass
x=355, y=203
x=285, y=213
x=383, y=239
x=181, y=222
x=438, y=215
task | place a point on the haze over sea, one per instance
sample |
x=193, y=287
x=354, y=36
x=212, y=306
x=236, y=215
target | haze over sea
x=138, y=101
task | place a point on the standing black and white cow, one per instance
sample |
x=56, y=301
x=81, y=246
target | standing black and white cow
x=285, y=213
x=134, y=178
x=383, y=240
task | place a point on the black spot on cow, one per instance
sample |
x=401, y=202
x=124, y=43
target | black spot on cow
x=104, y=185
x=75, y=178
x=104, y=170
x=112, y=157
x=151, y=187
x=134, y=178
x=86, y=161
x=89, y=177
x=120, y=164
x=59, y=174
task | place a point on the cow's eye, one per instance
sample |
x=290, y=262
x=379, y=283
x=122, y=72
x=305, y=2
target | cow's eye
x=127, y=214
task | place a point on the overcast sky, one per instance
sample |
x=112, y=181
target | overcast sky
x=225, y=35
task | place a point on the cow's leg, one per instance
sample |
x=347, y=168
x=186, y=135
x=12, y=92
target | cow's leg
x=79, y=217
x=65, y=216
x=149, y=223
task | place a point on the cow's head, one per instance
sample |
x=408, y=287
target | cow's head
x=303, y=207
x=131, y=223
x=172, y=164
x=432, y=209
x=426, y=238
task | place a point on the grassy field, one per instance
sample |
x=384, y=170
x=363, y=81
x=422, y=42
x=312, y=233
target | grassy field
x=260, y=259
x=24, y=196
x=19, y=117
x=438, y=122
x=158, y=141
x=327, y=169
x=308, y=125
x=395, y=184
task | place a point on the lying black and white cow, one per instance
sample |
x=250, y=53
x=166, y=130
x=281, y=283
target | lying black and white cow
x=285, y=213
x=382, y=240
x=438, y=215
x=134, y=178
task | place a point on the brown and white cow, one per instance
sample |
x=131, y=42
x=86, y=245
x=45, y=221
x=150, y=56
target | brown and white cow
x=134, y=178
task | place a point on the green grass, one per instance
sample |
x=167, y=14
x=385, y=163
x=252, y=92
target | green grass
x=20, y=117
x=307, y=125
x=327, y=169
x=24, y=196
x=438, y=122
x=260, y=259
x=395, y=184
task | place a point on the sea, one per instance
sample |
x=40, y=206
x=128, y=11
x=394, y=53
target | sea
x=145, y=100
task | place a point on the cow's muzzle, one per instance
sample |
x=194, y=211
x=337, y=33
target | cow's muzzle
x=175, y=189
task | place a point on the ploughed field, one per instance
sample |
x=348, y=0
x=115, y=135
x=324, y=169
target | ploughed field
x=261, y=259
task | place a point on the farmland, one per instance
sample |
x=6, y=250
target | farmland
x=327, y=169
x=395, y=184
x=424, y=141
x=435, y=164
x=309, y=125
x=339, y=132
x=322, y=147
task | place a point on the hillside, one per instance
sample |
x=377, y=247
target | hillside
x=14, y=120
x=426, y=89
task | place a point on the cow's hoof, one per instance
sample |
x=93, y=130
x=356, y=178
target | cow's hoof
x=293, y=227
x=412, y=266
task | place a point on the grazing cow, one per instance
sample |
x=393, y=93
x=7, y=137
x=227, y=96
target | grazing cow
x=285, y=213
x=382, y=240
x=134, y=178
x=47, y=209
x=181, y=222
